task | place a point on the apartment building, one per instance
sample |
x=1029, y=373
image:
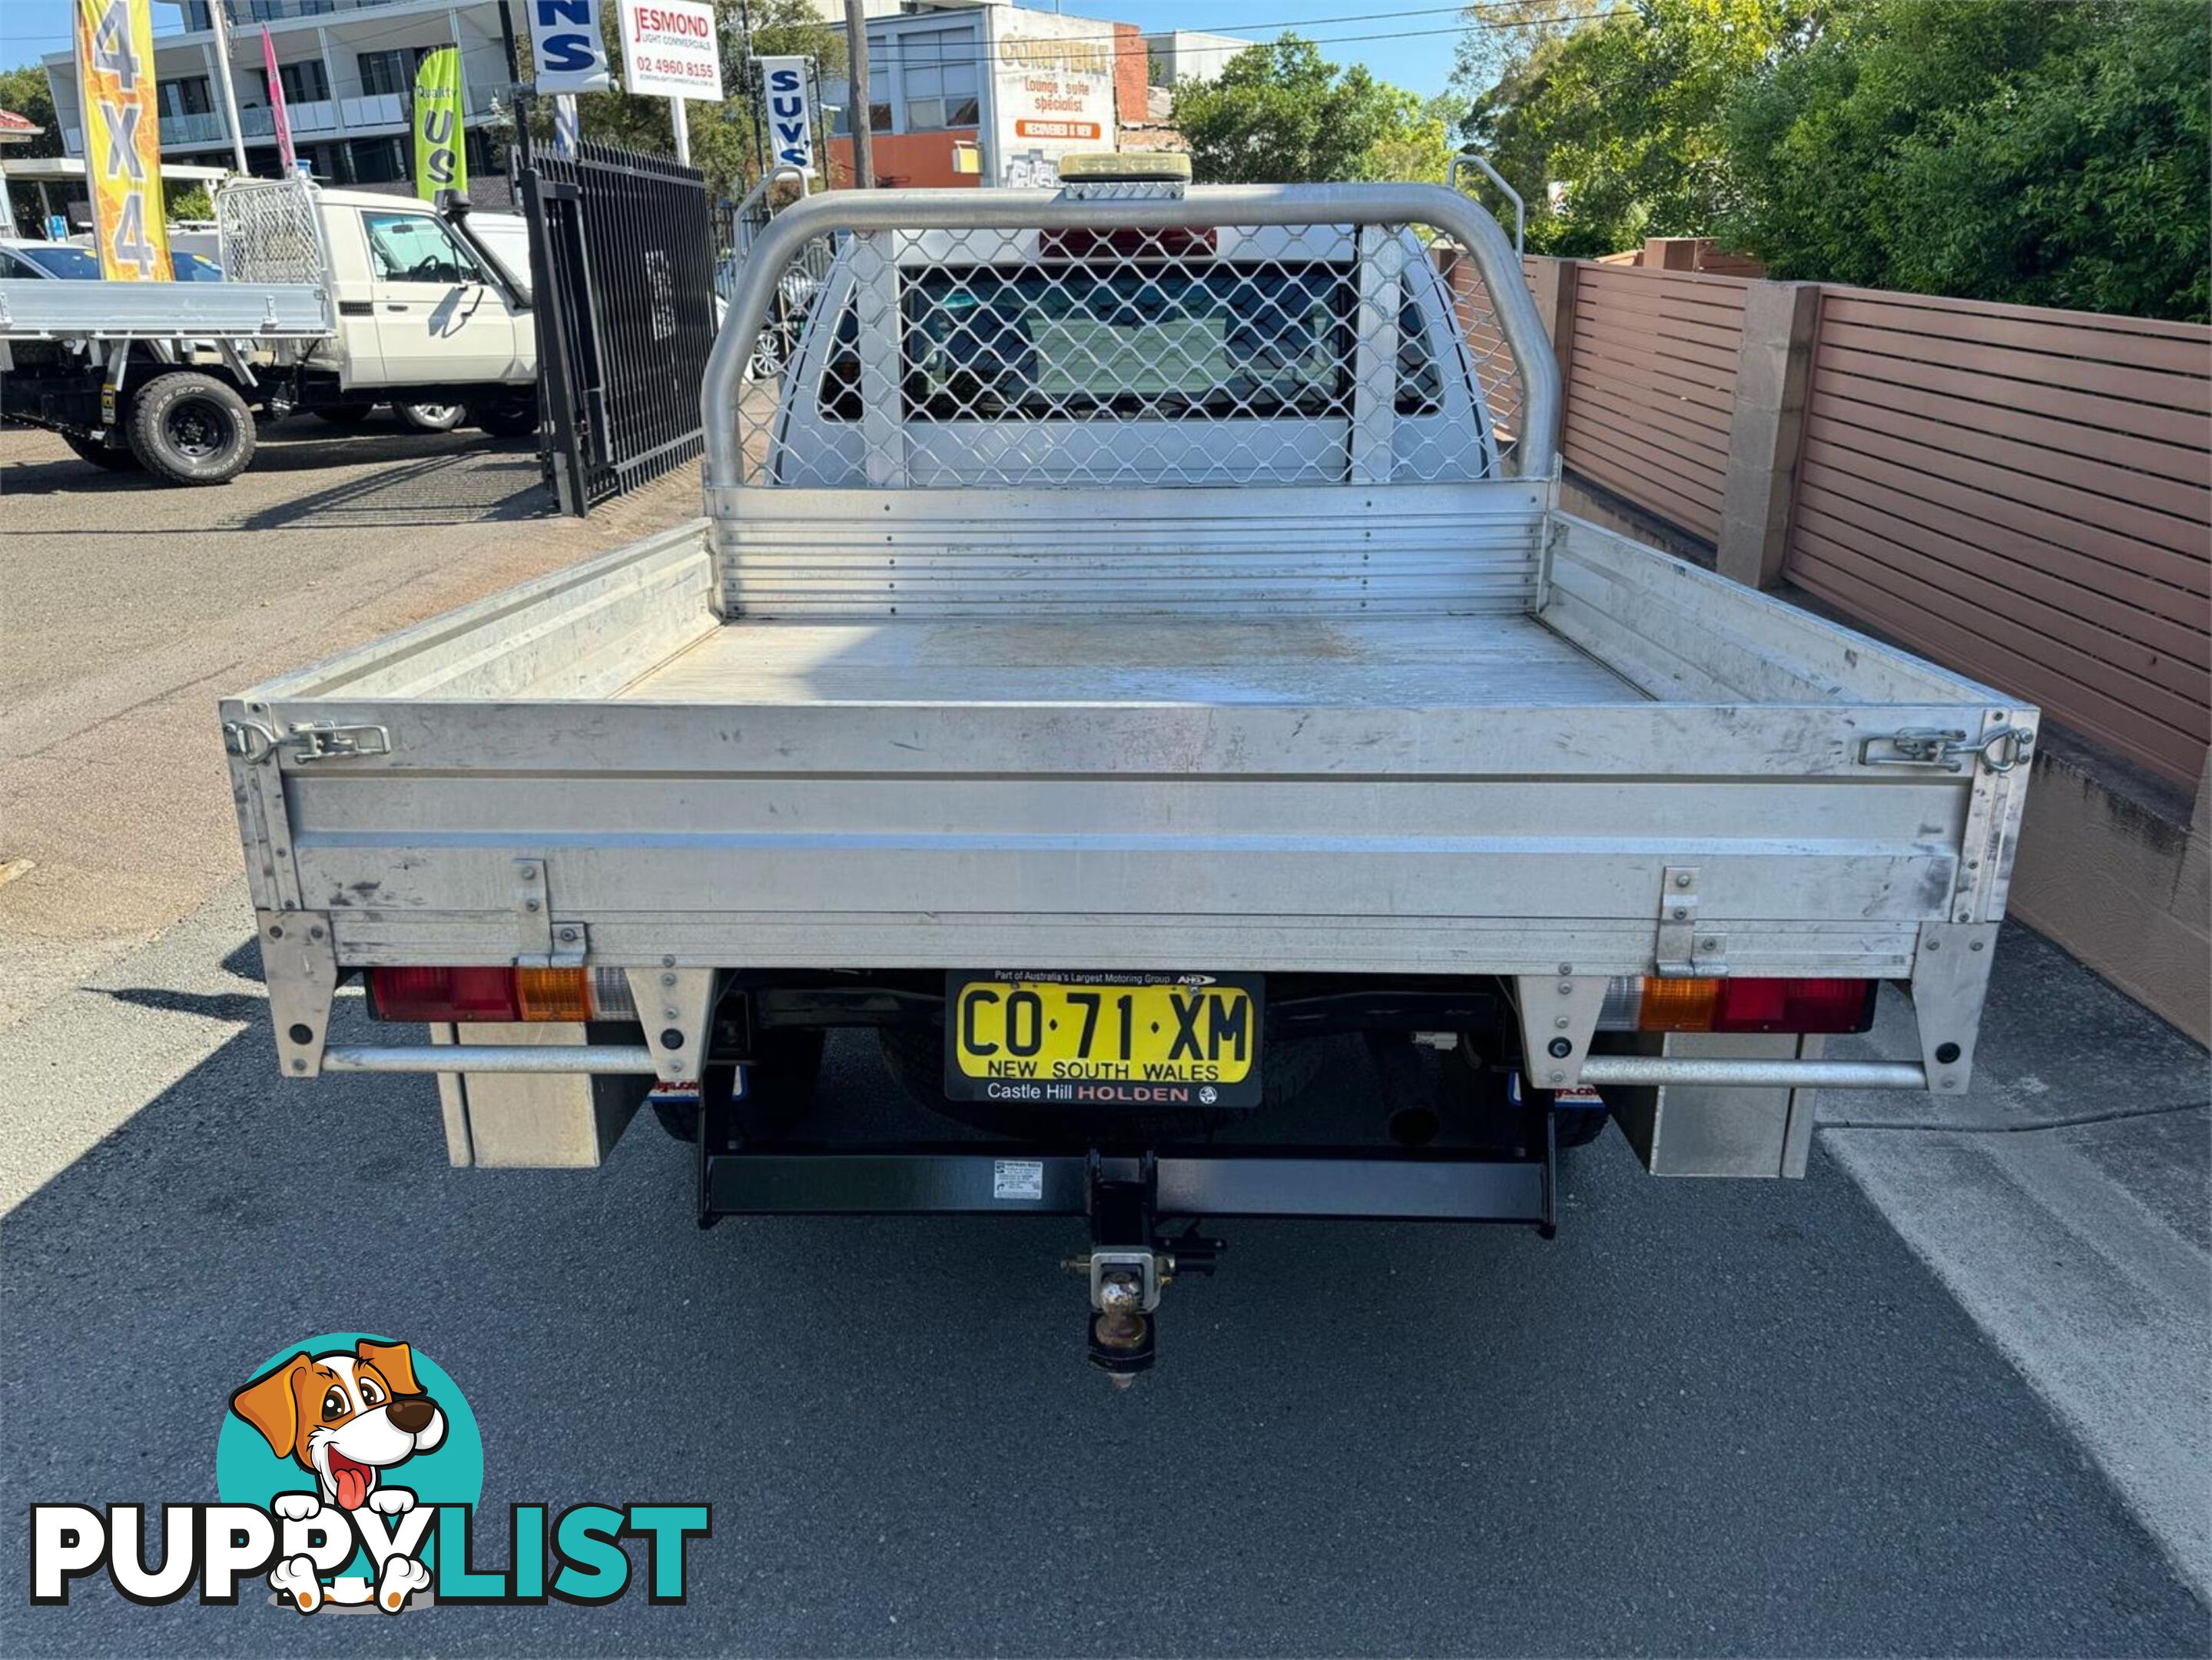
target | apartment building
x=347, y=70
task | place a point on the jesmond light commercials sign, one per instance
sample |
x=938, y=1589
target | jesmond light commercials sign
x=669, y=49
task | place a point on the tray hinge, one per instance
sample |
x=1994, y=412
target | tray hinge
x=1685, y=947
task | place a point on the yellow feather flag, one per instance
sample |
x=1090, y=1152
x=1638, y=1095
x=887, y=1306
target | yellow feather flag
x=442, y=157
x=123, y=139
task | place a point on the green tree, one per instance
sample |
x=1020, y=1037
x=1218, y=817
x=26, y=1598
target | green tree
x=1416, y=148
x=1501, y=33
x=188, y=201
x=1283, y=114
x=723, y=142
x=2026, y=151
x=24, y=92
x=1614, y=131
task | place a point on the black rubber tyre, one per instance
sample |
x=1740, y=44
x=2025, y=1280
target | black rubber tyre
x=346, y=415
x=101, y=456
x=511, y=417
x=1475, y=1098
x=779, y=1089
x=187, y=427
x=915, y=1058
x=430, y=418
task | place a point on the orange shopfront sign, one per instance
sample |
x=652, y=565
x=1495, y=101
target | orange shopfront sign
x=1058, y=130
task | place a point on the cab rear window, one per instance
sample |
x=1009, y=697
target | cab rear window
x=1179, y=342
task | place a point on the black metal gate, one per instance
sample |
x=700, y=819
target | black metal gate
x=621, y=244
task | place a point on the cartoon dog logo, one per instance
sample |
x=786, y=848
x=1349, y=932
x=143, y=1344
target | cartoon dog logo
x=345, y=1418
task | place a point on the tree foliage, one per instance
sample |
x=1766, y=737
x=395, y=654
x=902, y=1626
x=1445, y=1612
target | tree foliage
x=1613, y=132
x=2045, y=152
x=25, y=91
x=1281, y=113
x=724, y=145
x=2017, y=151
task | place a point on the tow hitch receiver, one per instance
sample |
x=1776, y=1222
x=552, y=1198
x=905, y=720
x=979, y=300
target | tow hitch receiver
x=1125, y=1196
x=1129, y=1265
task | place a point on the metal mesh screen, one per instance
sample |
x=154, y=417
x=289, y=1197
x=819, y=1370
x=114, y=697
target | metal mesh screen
x=268, y=232
x=1272, y=353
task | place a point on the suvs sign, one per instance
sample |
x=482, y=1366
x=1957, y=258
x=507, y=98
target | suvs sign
x=565, y=52
x=790, y=117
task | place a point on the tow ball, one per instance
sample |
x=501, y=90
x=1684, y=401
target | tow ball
x=1129, y=1267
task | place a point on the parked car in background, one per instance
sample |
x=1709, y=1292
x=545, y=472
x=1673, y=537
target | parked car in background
x=22, y=259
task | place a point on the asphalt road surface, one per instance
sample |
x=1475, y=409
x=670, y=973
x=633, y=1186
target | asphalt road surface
x=1709, y=1418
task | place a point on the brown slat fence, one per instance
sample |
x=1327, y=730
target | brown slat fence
x=1493, y=363
x=2024, y=494
x=1651, y=380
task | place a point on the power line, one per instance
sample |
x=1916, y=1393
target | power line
x=1465, y=7
x=913, y=56
x=890, y=43
x=940, y=58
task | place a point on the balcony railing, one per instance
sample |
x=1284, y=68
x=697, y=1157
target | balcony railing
x=382, y=109
x=247, y=12
x=202, y=129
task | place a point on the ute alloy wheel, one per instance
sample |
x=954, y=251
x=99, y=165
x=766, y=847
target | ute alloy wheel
x=430, y=418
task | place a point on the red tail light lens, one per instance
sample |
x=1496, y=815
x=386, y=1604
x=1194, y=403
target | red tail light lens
x=1750, y=1005
x=443, y=994
x=1795, y=1005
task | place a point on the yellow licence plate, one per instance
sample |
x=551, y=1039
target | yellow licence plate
x=1135, y=1040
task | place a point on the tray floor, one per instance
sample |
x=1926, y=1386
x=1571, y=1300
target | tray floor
x=1320, y=662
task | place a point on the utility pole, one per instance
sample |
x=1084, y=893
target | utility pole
x=219, y=15
x=856, y=52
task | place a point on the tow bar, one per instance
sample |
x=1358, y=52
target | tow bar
x=1125, y=1196
x=1130, y=1265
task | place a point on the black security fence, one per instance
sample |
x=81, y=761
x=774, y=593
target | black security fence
x=623, y=246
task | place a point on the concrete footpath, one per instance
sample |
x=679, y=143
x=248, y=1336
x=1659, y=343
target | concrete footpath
x=2064, y=1203
x=129, y=609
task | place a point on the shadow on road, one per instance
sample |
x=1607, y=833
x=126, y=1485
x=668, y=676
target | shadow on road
x=1711, y=1417
x=466, y=479
x=422, y=478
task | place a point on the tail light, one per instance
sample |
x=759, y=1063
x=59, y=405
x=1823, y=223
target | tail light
x=446, y=995
x=1633, y=1004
